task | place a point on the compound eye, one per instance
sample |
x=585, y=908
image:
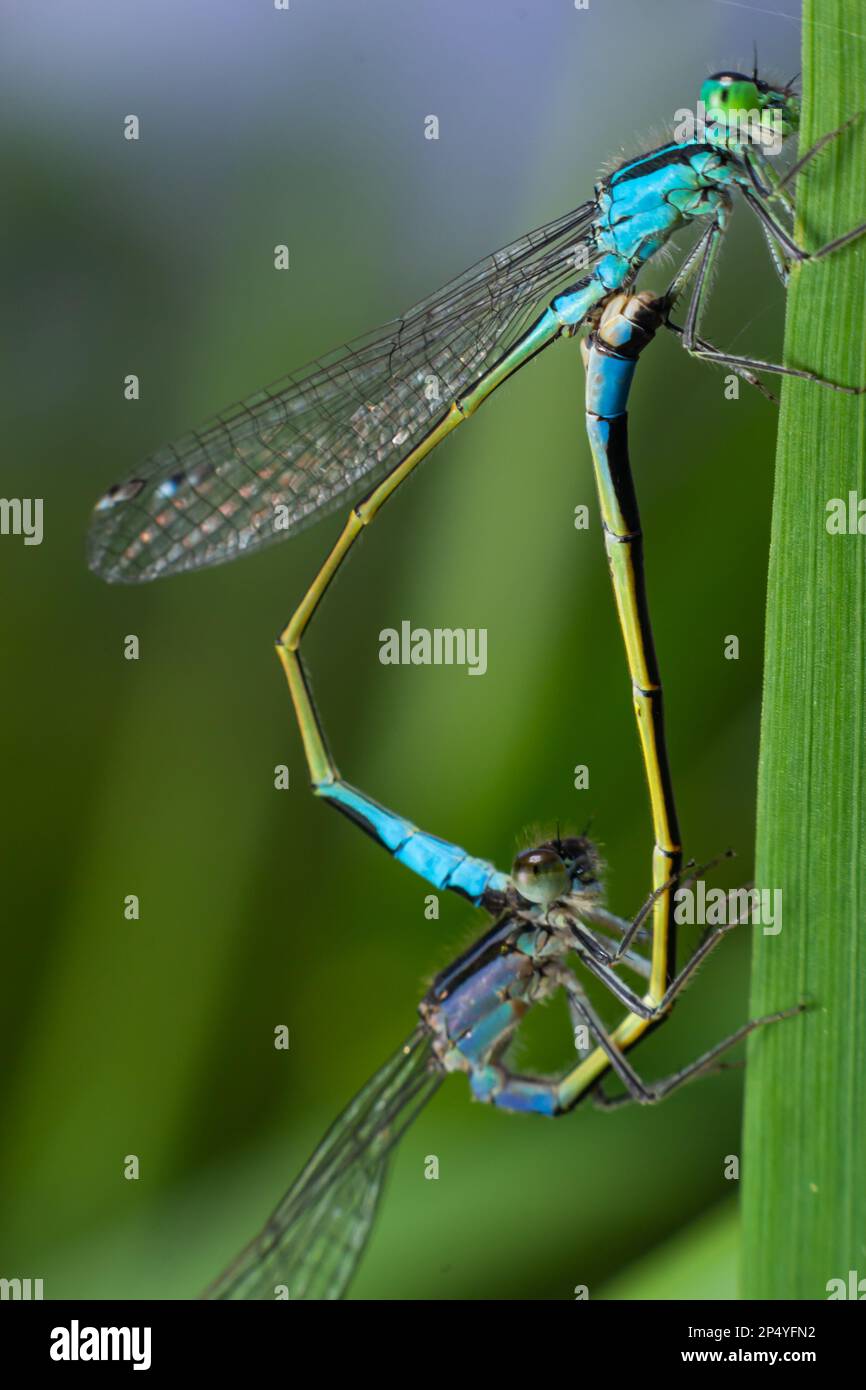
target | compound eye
x=540, y=876
x=730, y=91
x=121, y=492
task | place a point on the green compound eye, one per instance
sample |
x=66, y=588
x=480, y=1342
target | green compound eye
x=725, y=91
x=540, y=876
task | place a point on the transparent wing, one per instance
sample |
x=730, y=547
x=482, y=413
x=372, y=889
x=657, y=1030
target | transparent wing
x=317, y=1234
x=325, y=434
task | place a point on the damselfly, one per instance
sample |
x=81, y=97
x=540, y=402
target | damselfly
x=361, y=420
x=549, y=908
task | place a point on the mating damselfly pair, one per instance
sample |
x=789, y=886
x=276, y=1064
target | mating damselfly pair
x=357, y=424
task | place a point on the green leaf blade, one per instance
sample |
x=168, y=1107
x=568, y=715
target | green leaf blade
x=804, y=1177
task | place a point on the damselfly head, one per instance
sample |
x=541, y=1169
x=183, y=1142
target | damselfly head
x=742, y=110
x=555, y=869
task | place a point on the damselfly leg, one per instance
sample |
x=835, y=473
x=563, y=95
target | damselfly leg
x=649, y=1093
x=710, y=243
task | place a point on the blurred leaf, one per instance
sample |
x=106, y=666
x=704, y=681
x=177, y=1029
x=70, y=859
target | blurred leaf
x=700, y=1262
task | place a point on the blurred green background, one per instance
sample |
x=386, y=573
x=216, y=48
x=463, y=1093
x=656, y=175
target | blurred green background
x=155, y=777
